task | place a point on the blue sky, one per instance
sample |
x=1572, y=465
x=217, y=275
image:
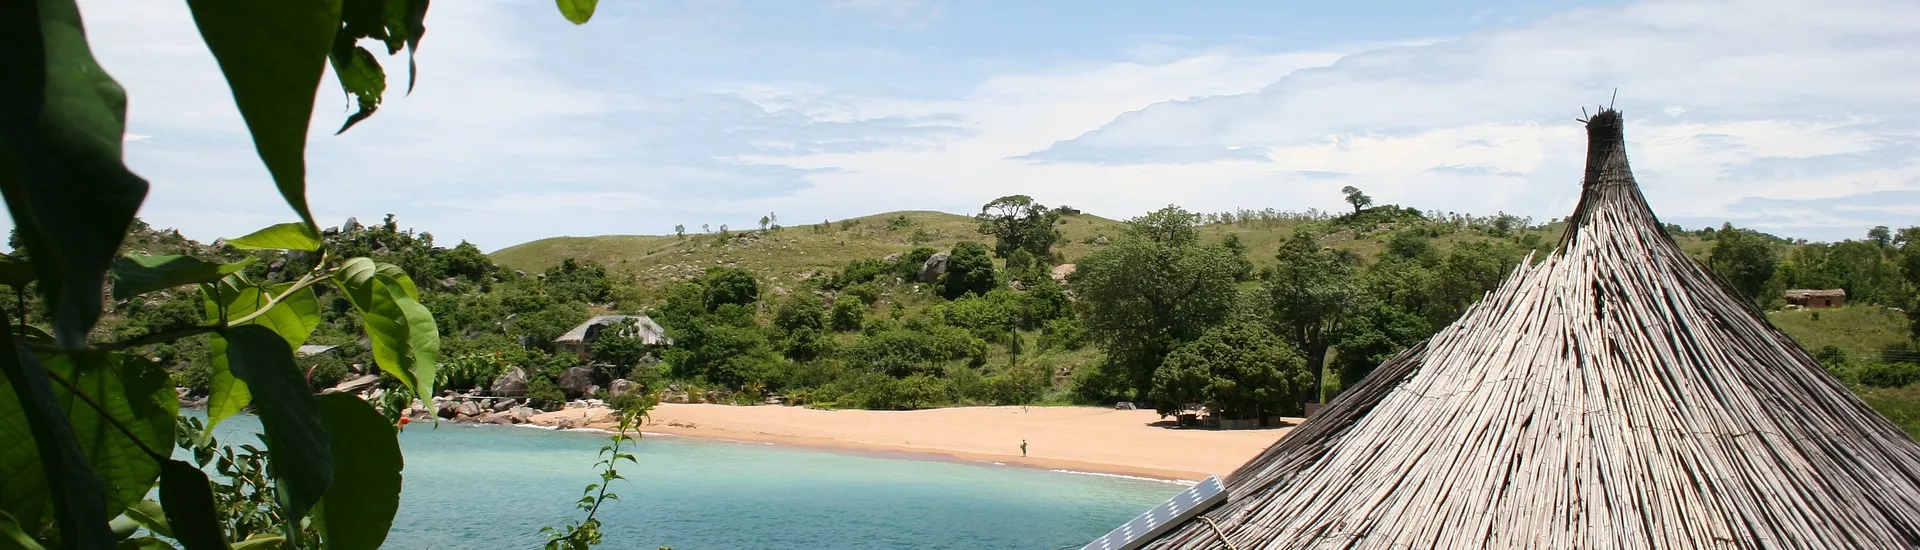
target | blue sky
x=1798, y=120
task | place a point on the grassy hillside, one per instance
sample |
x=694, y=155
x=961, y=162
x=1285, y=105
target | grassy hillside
x=1857, y=330
x=782, y=255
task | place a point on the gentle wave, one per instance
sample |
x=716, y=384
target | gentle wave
x=1180, y=482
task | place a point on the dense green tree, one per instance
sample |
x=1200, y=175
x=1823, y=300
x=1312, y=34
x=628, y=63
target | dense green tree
x=1017, y=223
x=579, y=281
x=1171, y=226
x=466, y=261
x=1469, y=270
x=619, y=351
x=1238, y=370
x=729, y=285
x=1746, y=260
x=1043, y=300
x=541, y=327
x=1243, y=269
x=1150, y=292
x=1314, y=296
x=989, y=317
x=969, y=269
x=903, y=351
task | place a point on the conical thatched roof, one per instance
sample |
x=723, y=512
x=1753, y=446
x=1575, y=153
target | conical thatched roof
x=1614, y=395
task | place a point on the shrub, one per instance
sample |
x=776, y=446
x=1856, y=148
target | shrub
x=909, y=264
x=1065, y=333
x=988, y=317
x=969, y=269
x=543, y=394
x=866, y=293
x=848, y=315
x=1889, y=375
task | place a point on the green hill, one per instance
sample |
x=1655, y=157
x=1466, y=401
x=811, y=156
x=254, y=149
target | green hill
x=787, y=253
x=781, y=254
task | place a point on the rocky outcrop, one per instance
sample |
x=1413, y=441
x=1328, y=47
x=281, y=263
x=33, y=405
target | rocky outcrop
x=1062, y=271
x=513, y=382
x=575, y=381
x=621, y=387
x=503, y=405
x=935, y=265
x=469, y=408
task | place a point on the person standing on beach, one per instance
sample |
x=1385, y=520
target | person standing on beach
x=1023, y=448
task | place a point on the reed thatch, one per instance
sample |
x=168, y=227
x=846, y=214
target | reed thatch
x=1614, y=395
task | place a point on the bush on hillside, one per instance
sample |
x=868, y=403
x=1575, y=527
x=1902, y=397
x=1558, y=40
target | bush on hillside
x=848, y=315
x=1888, y=375
x=1065, y=333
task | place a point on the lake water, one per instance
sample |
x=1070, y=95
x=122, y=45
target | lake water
x=469, y=486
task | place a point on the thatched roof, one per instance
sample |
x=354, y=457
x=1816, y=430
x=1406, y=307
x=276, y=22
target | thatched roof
x=648, y=331
x=1812, y=293
x=1615, y=395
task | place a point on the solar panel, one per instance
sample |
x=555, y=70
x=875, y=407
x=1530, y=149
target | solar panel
x=1191, y=502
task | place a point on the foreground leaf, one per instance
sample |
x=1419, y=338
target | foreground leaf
x=136, y=395
x=302, y=458
x=33, y=425
x=359, y=510
x=150, y=515
x=404, y=337
x=12, y=537
x=62, y=119
x=273, y=55
x=360, y=75
x=139, y=274
x=577, y=11
x=188, y=502
x=285, y=236
x=259, y=542
x=294, y=317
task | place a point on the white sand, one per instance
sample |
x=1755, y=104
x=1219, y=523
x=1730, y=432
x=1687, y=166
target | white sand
x=1071, y=438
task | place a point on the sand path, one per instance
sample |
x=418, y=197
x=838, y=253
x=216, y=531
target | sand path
x=1072, y=438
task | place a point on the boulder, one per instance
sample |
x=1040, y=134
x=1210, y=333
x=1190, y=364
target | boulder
x=621, y=387
x=1060, y=272
x=575, y=381
x=513, y=382
x=1125, y=406
x=893, y=258
x=447, y=409
x=935, y=265
x=563, y=424
x=504, y=405
x=592, y=391
x=469, y=408
x=522, y=415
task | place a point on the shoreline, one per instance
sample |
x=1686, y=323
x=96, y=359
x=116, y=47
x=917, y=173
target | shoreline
x=1084, y=440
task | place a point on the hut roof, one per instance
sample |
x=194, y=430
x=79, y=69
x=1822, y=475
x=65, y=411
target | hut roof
x=648, y=331
x=1809, y=293
x=1614, y=395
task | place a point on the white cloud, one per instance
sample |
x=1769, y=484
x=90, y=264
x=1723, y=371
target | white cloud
x=523, y=126
x=1820, y=101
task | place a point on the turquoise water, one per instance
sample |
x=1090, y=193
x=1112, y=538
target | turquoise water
x=469, y=486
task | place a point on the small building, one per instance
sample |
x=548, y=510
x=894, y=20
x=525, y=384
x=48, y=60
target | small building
x=1816, y=299
x=582, y=337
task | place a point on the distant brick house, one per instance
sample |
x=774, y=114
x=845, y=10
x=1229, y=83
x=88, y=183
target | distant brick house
x=1816, y=299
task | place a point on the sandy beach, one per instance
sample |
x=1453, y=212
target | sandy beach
x=1068, y=438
